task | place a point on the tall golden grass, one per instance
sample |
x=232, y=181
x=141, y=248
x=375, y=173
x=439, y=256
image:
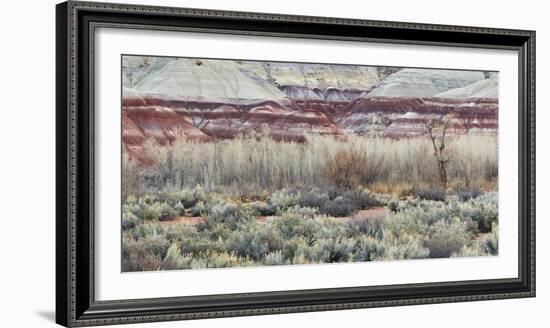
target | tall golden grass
x=258, y=163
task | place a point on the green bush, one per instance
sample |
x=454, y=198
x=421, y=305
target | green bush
x=283, y=199
x=339, y=207
x=490, y=244
x=225, y=260
x=175, y=260
x=145, y=254
x=275, y=258
x=337, y=249
x=313, y=199
x=369, y=249
x=167, y=212
x=431, y=194
x=339, y=201
x=483, y=210
x=372, y=227
x=151, y=212
x=361, y=199
x=262, y=209
x=255, y=242
x=155, y=210
x=465, y=194
x=304, y=212
x=199, y=209
x=298, y=222
x=189, y=197
x=446, y=238
x=179, y=208
x=231, y=235
x=393, y=205
x=335, y=191
x=229, y=214
x=406, y=247
x=129, y=220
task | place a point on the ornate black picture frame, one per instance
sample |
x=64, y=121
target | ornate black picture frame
x=75, y=301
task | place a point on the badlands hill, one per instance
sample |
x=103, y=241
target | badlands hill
x=211, y=99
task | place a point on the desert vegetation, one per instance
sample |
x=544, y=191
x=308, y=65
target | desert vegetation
x=256, y=164
x=252, y=200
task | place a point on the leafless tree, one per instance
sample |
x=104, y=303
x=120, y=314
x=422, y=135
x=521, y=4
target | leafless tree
x=438, y=142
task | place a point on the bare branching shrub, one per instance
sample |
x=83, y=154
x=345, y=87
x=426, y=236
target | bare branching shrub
x=344, y=168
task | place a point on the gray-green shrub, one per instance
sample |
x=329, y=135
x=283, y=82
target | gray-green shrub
x=431, y=194
x=339, y=207
x=466, y=193
x=447, y=237
x=313, y=198
x=231, y=235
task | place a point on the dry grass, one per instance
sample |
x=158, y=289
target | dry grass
x=259, y=164
x=395, y=189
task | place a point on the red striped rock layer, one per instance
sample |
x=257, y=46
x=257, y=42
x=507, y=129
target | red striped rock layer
x=328, y=101
x=407, y=117
x=145, y=118
x=140, y=124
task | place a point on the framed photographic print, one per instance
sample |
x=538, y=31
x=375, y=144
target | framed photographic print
x=214, y=163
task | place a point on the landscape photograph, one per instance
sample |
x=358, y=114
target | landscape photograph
x=240, y=163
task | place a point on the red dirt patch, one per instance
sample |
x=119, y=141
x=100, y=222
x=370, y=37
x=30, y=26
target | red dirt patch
x=193, y=220
x=264, y=219
x=482, y=236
